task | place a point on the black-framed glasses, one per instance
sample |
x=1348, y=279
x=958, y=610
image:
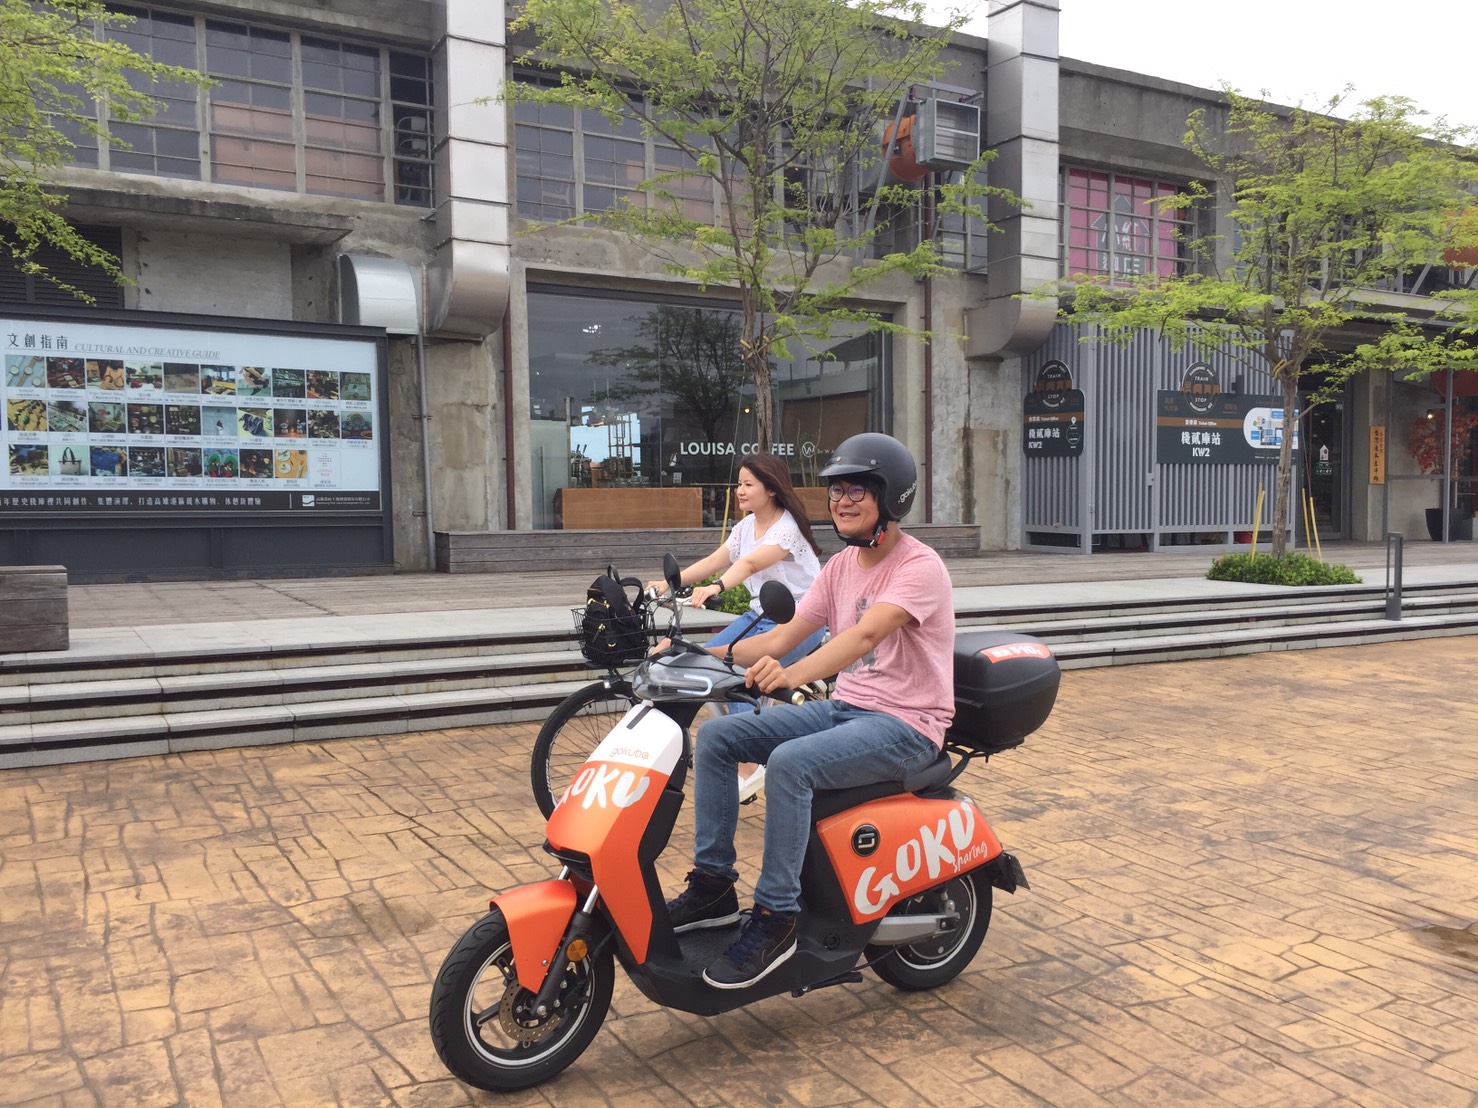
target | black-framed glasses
x=854, y=493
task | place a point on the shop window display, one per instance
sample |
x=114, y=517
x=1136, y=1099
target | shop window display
x=635, y=394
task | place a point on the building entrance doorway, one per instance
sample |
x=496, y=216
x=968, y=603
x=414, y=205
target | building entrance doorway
x=1325, y=476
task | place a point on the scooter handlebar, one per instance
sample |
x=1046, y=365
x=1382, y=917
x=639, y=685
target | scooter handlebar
x=779, y=696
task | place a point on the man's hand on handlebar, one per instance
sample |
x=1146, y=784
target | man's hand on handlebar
x=766, y=675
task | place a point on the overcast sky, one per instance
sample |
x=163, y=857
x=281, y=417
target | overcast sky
x=1296, y=49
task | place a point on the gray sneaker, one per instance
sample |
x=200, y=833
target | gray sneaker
x=708, y=901
x=767, y=940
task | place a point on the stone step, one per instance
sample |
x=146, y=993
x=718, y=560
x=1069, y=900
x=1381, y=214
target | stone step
x=344, y=675
x=45, y=702
x=168, y=731
x=341, y=672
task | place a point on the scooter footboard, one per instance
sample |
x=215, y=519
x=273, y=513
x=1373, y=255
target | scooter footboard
x=537, y=916
x=888, y=849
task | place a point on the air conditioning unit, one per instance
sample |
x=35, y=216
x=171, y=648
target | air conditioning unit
x=946, y=134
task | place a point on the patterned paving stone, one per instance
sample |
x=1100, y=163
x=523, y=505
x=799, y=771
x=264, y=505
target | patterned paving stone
x=1253, y=883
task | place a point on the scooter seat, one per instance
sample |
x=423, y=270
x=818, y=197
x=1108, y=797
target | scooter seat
x=828, y=802
x=935, y=773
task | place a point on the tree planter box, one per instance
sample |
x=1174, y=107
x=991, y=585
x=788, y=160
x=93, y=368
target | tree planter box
x=33, y=609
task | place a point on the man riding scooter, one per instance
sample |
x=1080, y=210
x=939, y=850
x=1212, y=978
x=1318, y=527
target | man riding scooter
x=888, y=600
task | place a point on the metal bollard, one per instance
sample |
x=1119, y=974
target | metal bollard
x=1395, y=541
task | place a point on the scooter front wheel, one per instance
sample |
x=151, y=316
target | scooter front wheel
x=482, y=1024
x=932, y=962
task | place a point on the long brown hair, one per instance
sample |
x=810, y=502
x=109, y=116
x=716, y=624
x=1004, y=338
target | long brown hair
x=774, y=474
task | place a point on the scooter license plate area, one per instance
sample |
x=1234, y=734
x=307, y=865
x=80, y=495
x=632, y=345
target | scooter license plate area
x=606, y=811
x=896, y=847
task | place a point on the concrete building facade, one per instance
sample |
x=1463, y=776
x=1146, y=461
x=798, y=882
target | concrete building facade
x=353, y=172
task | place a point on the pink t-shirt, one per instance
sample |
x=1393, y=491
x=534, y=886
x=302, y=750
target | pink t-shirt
x=910, y=675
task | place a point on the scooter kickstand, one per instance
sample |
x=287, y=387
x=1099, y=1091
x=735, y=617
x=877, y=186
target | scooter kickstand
x=851, y=977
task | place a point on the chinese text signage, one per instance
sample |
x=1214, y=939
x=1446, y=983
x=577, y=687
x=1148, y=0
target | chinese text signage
x=1052, y=415
x=1200, y=423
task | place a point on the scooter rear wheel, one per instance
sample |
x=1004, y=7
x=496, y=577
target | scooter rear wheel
x=933, y=962
x=481, y=1023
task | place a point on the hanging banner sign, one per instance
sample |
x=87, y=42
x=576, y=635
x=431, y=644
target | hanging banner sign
x=1052, y=415
x=124, y=417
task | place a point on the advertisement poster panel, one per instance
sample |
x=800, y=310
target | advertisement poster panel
x=1200, y=423
x=117, y=417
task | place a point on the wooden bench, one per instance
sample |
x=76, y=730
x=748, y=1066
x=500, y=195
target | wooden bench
x=817, y=509
x=630, y=551
x=628, y=509
x=33, y=609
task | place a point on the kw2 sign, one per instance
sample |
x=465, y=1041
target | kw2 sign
x=1199, y=423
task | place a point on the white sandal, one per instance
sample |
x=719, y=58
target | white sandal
x=750, y=786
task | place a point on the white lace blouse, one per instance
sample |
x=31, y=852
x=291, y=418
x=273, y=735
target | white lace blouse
x=795, y=571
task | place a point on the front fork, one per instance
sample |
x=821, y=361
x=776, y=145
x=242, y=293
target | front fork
x=547, y=930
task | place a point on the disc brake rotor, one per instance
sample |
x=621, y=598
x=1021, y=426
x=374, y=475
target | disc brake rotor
x=518, y=1023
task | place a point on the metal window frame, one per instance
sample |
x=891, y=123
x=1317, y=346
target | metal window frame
x=1187, y=225
x=205, y=133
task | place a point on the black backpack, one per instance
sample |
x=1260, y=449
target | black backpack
x=614, y=627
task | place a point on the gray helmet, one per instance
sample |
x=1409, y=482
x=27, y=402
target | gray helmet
x=887, y=461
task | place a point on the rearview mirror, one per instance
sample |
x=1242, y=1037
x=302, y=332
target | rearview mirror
x=776, y=602
x=671, y=572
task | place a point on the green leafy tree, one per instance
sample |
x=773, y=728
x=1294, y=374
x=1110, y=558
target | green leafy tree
x=1325, y=214
x=781, y=103
x=57, y=62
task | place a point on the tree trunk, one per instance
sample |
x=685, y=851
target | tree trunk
x=1283, y=487
x=757, y=360
x=764, y=407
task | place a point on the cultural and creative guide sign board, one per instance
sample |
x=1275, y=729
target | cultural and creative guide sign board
x=123, y=417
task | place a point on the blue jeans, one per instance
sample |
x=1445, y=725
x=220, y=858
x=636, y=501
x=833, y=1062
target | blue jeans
x=738, y=625
x=821, y=744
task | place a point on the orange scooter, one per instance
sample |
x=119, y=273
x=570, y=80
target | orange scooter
x=898, y=876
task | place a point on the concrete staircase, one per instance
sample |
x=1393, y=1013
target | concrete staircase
x=357, y=676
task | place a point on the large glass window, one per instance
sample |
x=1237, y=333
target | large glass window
x=1114, y=227
x=544, y=140
x=410, y=101
x=571, y=162
x=166, y=144
x=287, y=111
x=341, y=119
x=627, y=393
x=252, y=140
x=615, y=163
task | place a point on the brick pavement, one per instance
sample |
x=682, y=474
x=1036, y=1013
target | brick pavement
x=1255, y=881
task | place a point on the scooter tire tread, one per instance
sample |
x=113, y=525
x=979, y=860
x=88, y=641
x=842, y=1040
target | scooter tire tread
x=451, y=1037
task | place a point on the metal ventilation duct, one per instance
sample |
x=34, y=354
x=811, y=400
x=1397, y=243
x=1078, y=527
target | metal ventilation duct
x=467, y=280
x=379, y=292
x=1021, y=127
